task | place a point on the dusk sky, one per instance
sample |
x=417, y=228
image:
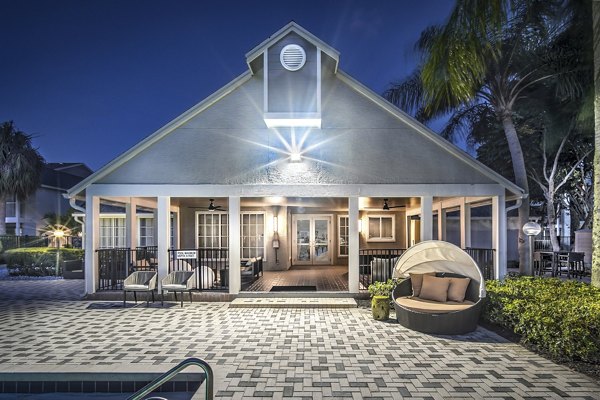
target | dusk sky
x=90, y=79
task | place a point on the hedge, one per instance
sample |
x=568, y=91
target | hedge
x=560, y=318
x=39, y=261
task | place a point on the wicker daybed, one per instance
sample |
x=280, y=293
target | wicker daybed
x=451, y=294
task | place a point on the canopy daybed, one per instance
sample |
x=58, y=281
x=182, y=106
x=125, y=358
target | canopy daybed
x=443, y=289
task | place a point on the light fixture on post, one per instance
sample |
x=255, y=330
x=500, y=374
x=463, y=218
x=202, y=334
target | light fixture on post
x=531, y=229
x=58, y=235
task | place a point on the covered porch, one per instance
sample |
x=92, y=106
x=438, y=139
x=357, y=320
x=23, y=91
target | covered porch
x=253, y=244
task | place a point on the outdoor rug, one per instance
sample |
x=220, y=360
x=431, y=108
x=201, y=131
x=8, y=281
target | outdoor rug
x=284, y=288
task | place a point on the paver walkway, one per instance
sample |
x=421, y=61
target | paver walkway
x=279, y=353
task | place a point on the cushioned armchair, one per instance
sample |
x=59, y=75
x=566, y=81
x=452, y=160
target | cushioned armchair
x=178, y=281
x=139, y=281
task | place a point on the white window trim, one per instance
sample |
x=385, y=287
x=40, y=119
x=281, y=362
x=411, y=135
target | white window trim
x=380, y=239
x=242, y=213
x=339, y=238
x=209, y=213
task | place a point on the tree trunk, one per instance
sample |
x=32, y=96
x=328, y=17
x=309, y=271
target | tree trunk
x=596, y=222
x=2, y=215
x=518, y=162
x=551, y=215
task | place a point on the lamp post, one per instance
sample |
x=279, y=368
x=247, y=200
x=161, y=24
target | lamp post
x=531, y=229
x=58, y=235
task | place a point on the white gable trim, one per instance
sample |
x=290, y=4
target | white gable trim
x=429, y=134
x=292, y=27
x=161, y=133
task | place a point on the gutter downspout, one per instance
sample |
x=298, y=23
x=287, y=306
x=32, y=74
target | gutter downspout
x=73, y=204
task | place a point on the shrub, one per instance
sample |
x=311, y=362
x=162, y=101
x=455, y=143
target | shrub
x=560, y=318
x=382, y=288
x=38, y=261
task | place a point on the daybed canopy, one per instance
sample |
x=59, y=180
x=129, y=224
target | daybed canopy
x=438, y=256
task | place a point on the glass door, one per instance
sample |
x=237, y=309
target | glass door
x=311, y=239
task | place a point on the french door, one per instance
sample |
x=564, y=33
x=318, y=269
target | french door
x=311, y=239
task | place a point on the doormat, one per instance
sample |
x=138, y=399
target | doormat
x=294, y=289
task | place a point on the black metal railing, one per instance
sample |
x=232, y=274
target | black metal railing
x=113, y=267
x=544, y=243
x=376, y=265
x=484, y=259
x=212, y=266
x=15, y=242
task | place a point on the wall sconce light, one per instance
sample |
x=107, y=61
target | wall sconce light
x=360, y=226
x=275, y=224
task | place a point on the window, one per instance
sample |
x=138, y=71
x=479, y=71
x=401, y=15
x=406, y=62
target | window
x=11, y=207
x=112, y=232
x=146, y=231
x=382, y=228
x=343, y=232
x=212, y=230
x=252, y=235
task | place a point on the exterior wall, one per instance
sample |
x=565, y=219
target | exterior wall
x=359, y=142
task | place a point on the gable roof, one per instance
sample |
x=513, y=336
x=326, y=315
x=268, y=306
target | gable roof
x=245, y=77
x=280, y=34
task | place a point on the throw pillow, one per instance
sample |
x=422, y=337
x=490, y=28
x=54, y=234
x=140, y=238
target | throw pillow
x=458, y=289
x=417, y=282
x=434, y=288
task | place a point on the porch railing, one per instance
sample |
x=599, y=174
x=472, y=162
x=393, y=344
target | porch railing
x=378, y=264
x=115, y=264
x=211, y=265
x=15, y=242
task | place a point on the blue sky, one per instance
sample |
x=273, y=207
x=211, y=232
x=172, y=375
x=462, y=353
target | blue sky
x=89, y=79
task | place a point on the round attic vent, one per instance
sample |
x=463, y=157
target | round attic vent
x=292, y=57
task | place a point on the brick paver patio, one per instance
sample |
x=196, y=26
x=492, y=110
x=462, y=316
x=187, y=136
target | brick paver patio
x=273, y=353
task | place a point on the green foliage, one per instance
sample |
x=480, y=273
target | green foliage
x=560, y=318
x=382, y=288
x=39, y=261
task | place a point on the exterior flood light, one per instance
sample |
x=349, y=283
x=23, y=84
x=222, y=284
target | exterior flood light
x=293, y=122
x=295, y=157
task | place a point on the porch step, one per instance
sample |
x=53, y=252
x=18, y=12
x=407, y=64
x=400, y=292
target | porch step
x=293, y=302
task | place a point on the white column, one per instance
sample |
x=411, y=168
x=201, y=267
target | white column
x=426, y=218
x=17, y=217
x=465, y=224
x=92, y=242
x=235, y=279
x=353, y=245
x=131, y=225
x=163, y=235
x=441, y=222
x=499, y=235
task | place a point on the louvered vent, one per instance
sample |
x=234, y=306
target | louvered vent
x=292, y=57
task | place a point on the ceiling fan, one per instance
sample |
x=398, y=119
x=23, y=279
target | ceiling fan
x=212, y=207
x=387, y=207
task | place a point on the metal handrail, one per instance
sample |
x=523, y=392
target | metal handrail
x=174, y=371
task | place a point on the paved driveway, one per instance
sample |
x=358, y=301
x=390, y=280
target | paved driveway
x=274, y=353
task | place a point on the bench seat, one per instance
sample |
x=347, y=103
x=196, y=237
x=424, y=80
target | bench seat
x=431, y=306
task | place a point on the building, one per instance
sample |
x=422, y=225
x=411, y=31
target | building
x=297, y=162
x=26, y=218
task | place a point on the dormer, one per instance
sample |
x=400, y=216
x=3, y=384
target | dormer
x=291, y=60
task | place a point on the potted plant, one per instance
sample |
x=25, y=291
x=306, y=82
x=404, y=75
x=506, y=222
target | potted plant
x=380, y=299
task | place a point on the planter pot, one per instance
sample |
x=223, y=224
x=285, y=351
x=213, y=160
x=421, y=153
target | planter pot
x=380, y=306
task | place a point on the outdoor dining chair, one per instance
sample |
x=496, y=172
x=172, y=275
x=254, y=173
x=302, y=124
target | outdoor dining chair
x=140, y=281
x=178, y=281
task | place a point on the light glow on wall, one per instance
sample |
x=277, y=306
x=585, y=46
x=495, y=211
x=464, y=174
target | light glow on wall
x=293, y=122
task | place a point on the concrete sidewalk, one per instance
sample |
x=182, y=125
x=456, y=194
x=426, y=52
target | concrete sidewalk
x=274, y=353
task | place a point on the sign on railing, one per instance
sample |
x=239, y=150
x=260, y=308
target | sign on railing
x=186, y=254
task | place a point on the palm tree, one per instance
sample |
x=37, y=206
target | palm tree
x=487, y=55
x=20, y=167
x=596, y=223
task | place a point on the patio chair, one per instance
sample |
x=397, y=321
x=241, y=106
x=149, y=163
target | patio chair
x=178, y=281
x=140, y=281
x=452, y=309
